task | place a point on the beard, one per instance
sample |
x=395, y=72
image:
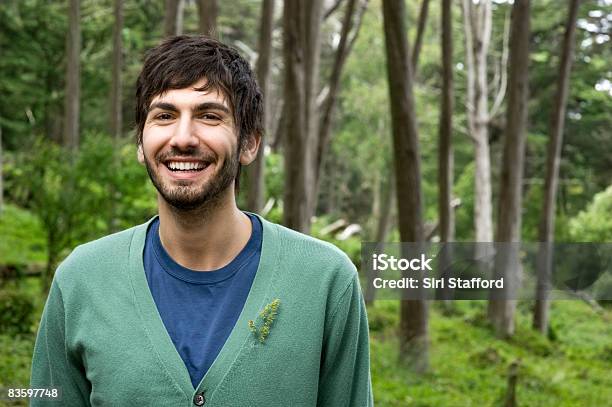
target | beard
x=184, y=195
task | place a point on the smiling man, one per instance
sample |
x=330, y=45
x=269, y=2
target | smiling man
x=203, y=304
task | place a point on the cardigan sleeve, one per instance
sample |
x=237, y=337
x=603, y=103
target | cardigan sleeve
x=345, y=366
x=52, y=365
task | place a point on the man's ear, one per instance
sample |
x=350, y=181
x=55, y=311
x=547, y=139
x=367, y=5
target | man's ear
x=140, y=154
x=250, y=148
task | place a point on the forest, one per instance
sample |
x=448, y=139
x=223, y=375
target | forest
x=423, y=121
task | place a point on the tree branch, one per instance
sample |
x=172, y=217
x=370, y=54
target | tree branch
x=419, y=36
x=503, y=84
x=332, y=9
x=347, y=40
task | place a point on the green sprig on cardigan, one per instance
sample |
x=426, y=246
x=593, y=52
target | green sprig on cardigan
x=267, y=315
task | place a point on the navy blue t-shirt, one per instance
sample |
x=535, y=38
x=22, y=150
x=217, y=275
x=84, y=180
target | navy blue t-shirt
x=200, y=308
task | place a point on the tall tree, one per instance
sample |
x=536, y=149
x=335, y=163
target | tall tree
x=116, y=107
x=502, y=305
x=413, y=313
x=73, y=75
x=173, y=17
x=445, y=154
x=255, y=171
x=301, y=51
x=477, y=27
x=208, y=11
x=445, y=151
x=546, y=230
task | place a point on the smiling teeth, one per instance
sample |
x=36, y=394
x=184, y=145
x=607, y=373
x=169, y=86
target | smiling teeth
x=185, y=166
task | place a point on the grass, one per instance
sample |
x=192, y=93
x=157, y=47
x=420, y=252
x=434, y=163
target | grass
x=469, y=365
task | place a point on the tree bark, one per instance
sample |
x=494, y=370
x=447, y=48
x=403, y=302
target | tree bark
x=413, y=314
x=255, y=171
x=173, y=18
x=418, y=42
x=546, y=230
x=1, y=175
x=116, y=107
x=507, y=262
x=301, y=50
x=445, y=153
x=477, y=26
x=384, y=216
x=209, y=11
x=73, y=76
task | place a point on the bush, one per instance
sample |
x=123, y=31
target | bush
x=16, y=312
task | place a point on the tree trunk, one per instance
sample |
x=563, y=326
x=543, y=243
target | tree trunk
x=384, y=216
x=255, y=171
x=173, y=19
x=445, y=153
x=1, y=175
x=73, y=76
x=513, y=371
x=418, y=42
x=507, y=262
x=301, y=50
x=116, y=107
x=477, y=26
x=209, y=11
x=546, y=230
x=413, y=314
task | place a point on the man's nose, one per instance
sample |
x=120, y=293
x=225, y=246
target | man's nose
x=184, y=136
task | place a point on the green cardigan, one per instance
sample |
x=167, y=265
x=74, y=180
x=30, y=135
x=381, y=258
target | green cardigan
x=102, y=341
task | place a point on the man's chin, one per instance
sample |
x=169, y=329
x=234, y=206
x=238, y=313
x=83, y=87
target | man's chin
x=185, y=204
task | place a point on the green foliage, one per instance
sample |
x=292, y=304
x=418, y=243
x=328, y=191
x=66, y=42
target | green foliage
x=274, y=178
x=22, y=237
x=16, y=312
x=17, y=343
x=15, y=360
x=594, y=224
x=80, y=196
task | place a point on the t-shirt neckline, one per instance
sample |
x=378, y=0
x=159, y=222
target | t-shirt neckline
x=188, y=275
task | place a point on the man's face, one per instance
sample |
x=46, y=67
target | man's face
x=190, y=146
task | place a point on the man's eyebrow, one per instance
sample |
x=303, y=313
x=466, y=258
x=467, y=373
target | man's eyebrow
x=163, y=106
x=211, y=106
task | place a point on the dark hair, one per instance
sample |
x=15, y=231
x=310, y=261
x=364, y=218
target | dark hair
x=181, y=61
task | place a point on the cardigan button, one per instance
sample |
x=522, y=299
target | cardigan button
x=199, y=399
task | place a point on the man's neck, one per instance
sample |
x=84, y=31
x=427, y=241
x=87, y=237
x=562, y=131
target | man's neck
x=206, y=238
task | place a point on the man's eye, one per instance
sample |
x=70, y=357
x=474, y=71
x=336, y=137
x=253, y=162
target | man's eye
x=164, y=116
x=210, y=117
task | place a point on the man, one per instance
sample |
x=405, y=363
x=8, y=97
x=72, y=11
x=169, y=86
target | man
x=204, y=304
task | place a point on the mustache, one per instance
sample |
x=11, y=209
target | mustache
x=192, y=153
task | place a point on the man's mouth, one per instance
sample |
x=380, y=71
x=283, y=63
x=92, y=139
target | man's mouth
x=186, y=166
